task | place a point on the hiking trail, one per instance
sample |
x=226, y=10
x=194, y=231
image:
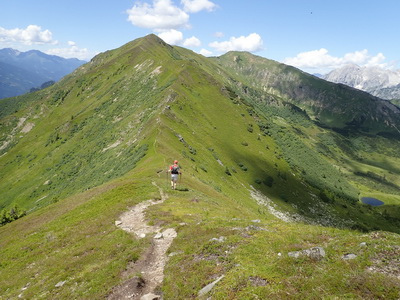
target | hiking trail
x=151, y=265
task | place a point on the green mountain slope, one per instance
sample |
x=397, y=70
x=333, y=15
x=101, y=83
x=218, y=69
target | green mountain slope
x=333, y=105
x=261, y=168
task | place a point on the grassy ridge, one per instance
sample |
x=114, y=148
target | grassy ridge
x=82, y=135
x=113, y=126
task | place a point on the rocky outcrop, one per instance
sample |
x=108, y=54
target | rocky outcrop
x=379, y=82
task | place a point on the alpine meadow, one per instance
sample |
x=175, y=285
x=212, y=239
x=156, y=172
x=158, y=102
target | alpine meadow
x=275, y=166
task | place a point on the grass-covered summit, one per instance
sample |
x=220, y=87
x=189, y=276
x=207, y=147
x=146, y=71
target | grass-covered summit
x=274, y=160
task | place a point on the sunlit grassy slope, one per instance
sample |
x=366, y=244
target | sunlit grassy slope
x=80, y=153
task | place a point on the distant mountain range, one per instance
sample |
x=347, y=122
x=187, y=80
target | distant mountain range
x=22, y=71
x=379, y=82
x=275, y=166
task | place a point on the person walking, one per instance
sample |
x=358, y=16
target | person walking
x=175, y=171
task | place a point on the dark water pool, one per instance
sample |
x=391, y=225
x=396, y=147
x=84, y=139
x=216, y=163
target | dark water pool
x=372, y=201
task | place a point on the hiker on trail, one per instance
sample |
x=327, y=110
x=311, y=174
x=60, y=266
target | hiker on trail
x=175, y=170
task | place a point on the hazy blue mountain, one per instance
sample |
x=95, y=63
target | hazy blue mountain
x=21, y=71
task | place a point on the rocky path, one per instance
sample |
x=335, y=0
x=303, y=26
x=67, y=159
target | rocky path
x=148, y=271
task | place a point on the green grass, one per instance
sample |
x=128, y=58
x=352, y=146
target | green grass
x=263, y=254
x=105, y=133
x=75, y=241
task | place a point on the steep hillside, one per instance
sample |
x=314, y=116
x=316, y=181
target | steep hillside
x=336, y=106
x=261, y=178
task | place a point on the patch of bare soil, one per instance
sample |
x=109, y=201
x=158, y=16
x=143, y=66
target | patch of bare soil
x=387, y=262
x=145, y=275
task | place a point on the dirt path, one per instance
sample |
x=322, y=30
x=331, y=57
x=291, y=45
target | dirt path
x=148, y=271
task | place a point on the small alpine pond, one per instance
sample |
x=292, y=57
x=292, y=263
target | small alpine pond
x=372, y=201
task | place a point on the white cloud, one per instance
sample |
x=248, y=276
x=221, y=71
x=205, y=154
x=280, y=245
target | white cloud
x=161, y=15
x=165, y=18
x=322, y=62
x=192, y=42
x=313, y=59
x=357, y=57
x=194, y=6
x=172, y=36
x=251, y=43
x=32, y=34
x=175, y=37
x=205, y=52
x=219, y=34
x=72, y=52
x=377, y=60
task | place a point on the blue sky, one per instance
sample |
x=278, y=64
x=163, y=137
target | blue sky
x=313, y=35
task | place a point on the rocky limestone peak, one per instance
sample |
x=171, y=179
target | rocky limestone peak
x=369, y=79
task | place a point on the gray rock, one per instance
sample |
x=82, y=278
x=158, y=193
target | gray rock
x=220, y=239
x=316, y=253
x=349, y=256
x=60, y=284
x=175, y=253
x=363, y=244
x=253, y=227
x=150, y=297
x=209, y=287
x=158, y=236
x=117, y=223
x=295, y=254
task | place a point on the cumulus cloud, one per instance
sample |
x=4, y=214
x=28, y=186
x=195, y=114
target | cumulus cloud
x=175, y=37
x=321, y=61
x=172, y=36
x=161, y=15
x=377, y=60
x=313, y=59
x=192, y=42
x=205, y=52
x=32, y=34
x=73, y=51
x=194, y=6
x=251, y=43
x=357, y=57
x=165, y=18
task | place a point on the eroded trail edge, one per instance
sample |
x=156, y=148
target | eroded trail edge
x=151, y=265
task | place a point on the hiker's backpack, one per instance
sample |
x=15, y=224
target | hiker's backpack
x=174, y=169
